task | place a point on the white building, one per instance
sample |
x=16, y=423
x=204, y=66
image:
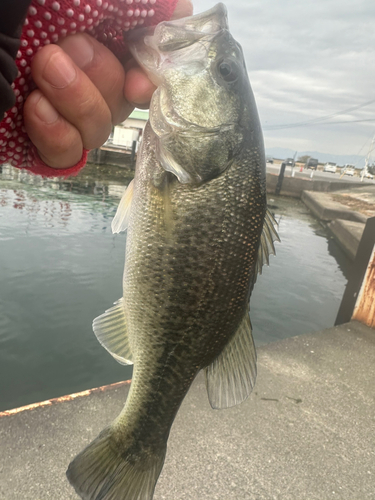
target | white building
x=130, y=130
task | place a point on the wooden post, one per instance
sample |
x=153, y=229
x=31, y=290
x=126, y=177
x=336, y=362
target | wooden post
x=358, y=301
x=364, y=310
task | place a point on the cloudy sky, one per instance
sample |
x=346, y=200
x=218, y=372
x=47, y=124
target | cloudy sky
x=306, y=60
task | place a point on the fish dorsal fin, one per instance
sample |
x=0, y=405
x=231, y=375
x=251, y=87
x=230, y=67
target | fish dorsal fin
x=111, y=331
x=266, y=246
x=121, y=219
x=231, y=377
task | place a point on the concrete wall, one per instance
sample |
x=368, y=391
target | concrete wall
x=293, y=186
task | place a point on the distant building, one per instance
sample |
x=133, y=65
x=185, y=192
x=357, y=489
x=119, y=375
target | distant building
x=130, y=130
x=117, y=150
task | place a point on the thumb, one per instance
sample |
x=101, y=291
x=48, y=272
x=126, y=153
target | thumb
x=184, y=8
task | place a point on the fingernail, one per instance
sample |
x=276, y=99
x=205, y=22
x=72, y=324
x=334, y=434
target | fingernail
x=80, y=50
x=59, y=71
x=45, y=111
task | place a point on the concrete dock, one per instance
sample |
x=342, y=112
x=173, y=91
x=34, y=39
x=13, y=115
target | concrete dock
x=307, y=431
x=344, y=206
x=345, y=213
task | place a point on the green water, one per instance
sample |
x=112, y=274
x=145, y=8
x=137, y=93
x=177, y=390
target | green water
x=61, y=267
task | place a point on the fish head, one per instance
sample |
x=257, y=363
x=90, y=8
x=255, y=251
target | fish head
x=203, y=112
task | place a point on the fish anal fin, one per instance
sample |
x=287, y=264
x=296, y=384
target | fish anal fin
x=121, y=219
x=231, y=377
x=111, y=331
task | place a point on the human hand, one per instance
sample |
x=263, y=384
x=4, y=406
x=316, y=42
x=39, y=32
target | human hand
x=82, y=91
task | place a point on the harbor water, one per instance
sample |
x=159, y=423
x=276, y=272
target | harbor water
x=61, y=267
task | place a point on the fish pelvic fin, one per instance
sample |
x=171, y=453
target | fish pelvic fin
x=104, y=471
x=111, y=330
x=267, y=238
x=121, y=219
x=231, y=377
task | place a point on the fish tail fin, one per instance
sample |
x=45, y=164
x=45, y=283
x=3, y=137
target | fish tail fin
x=104, y=472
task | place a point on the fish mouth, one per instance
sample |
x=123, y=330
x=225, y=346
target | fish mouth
x=175, y=43
x=158, y=47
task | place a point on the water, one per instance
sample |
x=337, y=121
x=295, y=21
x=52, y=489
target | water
x=301, y=290
x=61, y=267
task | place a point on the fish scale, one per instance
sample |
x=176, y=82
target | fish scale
x=198, y=233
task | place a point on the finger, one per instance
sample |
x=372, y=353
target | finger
x=138, y=89
x=183, y=8
x=104, y=70
x=73, y=95
x=58, y=142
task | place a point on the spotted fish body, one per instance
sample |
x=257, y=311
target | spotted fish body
x=198, y=233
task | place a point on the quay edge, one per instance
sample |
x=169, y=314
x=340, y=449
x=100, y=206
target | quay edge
x=305, y=433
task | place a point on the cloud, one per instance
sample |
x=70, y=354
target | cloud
x=309, y=59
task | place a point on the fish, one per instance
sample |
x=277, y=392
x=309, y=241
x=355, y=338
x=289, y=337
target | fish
x=198, y=234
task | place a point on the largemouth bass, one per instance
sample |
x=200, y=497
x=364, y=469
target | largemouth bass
x=198, y=234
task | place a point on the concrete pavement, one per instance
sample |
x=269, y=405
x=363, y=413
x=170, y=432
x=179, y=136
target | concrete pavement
x=325, y=208
x=306, y=432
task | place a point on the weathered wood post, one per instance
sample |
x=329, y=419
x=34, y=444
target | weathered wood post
x=364, y=310
x=358, y=301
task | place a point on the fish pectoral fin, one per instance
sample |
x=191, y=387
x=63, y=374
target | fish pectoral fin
x=111, y=331
x=231, y=377
x=266, y=246
x=171, y=165
x=121, y=219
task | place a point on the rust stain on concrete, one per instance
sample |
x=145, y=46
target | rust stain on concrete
x=62, y=399
x=364, y=310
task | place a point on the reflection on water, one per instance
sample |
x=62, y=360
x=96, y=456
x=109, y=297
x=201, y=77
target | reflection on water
x=61, y=267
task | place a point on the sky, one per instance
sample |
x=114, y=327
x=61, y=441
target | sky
x=306, y=60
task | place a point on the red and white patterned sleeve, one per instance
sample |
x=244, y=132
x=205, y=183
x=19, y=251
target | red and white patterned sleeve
x=47, y=22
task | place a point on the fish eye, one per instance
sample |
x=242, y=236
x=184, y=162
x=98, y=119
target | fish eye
x=228, y=70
